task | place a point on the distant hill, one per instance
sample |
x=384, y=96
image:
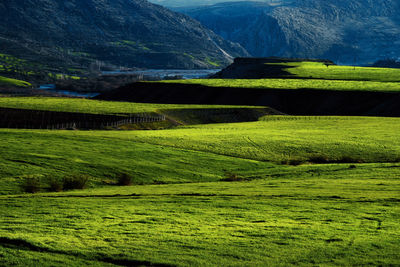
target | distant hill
x=345, y=31
x=98, y=33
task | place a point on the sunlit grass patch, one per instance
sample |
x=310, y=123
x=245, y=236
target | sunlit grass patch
x=294, y=84
x=319, y=70
x=13, y=82
x=281, y=221
x=95, y=106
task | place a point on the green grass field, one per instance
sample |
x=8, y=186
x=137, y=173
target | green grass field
x=181, y=211
x=318, y=70
x=196, y=153
x=322, y=221
x=295, y=84
x=283, y=138
x=200, y=152
x=281, y=191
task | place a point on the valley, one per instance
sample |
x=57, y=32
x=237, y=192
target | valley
x=199, y=133
x=208, y=185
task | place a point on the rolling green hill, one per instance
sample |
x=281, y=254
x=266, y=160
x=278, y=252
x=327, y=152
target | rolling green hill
x=285, y=138
x=198, y=153
x=280, y=190
x=221, y=194
x=284, y=190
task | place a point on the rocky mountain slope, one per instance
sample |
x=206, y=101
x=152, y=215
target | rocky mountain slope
x=186, y=3
x=130, y=33
x=346, y=31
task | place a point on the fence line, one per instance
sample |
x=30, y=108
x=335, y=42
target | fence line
x=82, y=124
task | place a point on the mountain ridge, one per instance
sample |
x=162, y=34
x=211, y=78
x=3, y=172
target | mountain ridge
x=128, y=33
x=348, y=32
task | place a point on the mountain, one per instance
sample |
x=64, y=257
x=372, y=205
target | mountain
x=191, y=3
x=346, y=31
x=130, y=33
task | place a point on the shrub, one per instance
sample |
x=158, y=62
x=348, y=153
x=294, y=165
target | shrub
x=55, y=185
x=293, y=162
x=319, y=159
x=348, y=159
x=124, y=179
x=296, y=162
x=232, y=177
x=77, y=181
x=31, y=184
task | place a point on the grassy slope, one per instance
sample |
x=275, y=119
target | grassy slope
x=315, y=75
x=281, y=138
x=338, y=220
x=94, y=106
x=57, y=154
x=285, y=215
x=13, y=82
x=294, y=84
x=12, y=66
x=319, y=70
x=196, y=153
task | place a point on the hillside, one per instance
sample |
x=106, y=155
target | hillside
x=294, y=87
x=344, y=31
x=246, y=194
x=199, y=153
x=72, y=34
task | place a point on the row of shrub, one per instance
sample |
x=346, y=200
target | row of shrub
x=322, y=159
x=34, y=184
